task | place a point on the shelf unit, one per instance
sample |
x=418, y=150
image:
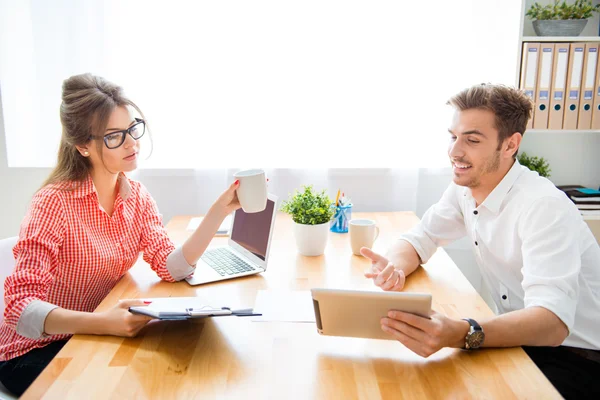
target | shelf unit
x=560, y=38
x=559, y=131
x=591, y=33
x=573, y=155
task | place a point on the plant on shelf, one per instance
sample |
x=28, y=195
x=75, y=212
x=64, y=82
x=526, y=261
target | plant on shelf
x=561, y=18
x=538, y=164
x=580, y=9
x=311, y=212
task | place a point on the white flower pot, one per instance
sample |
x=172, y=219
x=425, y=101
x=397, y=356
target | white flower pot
x=311, y=239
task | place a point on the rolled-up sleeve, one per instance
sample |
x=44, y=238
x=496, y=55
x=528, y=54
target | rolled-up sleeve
x=158, y=250
x=36, y=259
x=442, y=224
x=551, y=258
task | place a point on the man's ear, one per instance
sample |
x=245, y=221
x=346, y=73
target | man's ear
x=83, y=150
x=512, y=143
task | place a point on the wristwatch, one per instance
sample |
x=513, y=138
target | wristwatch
x=475, y=337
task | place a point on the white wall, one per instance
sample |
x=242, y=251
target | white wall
x=574, y=157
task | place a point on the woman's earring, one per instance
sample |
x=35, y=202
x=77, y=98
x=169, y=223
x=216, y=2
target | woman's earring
x=86, y=153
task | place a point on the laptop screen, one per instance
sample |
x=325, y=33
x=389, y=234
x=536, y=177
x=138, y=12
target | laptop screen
x=251, y=231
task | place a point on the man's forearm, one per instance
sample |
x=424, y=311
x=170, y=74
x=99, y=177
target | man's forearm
x=404, y=256
x=534, y=326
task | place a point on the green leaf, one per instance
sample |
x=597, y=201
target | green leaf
x=579, y=9
x=540, y=165
x=308, y=207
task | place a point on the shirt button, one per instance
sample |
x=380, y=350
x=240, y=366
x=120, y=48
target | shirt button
x=503, y=297
x=475, y=212
x=475, y=243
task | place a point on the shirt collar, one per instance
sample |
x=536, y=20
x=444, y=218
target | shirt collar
x=494, y=200
x=87, y=187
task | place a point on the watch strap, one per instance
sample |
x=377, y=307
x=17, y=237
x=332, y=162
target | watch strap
x=474, y=324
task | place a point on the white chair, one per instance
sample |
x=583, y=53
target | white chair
x=7, y=264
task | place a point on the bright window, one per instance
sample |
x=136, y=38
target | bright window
x=318, y=84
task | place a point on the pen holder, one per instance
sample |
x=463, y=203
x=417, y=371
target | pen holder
x=341, y=219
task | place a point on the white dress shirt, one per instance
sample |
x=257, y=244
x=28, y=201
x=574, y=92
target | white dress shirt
x=532, y=246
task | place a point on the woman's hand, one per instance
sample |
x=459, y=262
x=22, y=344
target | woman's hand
x=228, y=201
x=119, y=321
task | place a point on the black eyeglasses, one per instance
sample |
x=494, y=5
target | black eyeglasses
x=115, y=139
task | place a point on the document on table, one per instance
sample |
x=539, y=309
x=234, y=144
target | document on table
x=284, y=306
x=222, y=231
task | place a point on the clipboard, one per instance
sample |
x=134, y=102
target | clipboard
x=190, y=313
x=181, y=308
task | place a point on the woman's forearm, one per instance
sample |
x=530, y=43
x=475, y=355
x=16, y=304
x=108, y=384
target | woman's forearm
x=62, y=321
x=194, y=247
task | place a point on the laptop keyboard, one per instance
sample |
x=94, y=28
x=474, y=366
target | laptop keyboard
x=225, y=262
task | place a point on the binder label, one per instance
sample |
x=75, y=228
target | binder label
x=533, y=49
x=563, y=50
x=573, y=94
x=588, y=94
x=543, y=95
x=559, y=95
x=529, y=93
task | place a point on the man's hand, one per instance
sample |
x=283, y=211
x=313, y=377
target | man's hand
x=383, y=272
x=425, y=336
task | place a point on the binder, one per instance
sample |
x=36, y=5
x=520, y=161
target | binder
x=544, y=78
x=529, y=67
x=584, y=120
x=559, y=81
x=573, y=85
x=596, y=104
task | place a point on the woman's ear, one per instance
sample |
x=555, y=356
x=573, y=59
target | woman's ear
x=83, y=150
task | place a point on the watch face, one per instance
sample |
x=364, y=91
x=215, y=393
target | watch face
x=476, y=339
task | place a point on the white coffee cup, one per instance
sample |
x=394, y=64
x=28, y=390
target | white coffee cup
x=363, y=233
x=252, y=191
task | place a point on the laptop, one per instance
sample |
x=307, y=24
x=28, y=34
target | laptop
x=247, y=251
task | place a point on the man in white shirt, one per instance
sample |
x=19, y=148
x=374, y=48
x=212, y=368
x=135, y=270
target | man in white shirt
x=535, y=252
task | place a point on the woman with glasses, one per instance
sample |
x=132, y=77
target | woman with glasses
x=84, y=230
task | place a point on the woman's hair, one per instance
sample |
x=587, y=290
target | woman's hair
x=87, y=104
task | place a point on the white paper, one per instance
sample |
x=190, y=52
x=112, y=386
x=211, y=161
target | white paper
x=223, y=229
x=590, y=76
x=546, y=67
x=577, y=70
x=532, y=61
x=173, y=304
x=284, y=306
x=561, y=71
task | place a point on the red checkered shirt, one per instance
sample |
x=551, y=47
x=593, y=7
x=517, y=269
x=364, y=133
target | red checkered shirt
x=71, y=253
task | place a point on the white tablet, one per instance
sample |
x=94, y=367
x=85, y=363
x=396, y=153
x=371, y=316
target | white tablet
x=357, y=313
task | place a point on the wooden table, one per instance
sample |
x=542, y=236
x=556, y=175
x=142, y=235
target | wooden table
x=238, y=358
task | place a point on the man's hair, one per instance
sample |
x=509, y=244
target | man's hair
x=512, y=107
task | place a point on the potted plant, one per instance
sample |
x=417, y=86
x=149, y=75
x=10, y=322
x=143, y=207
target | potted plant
x=540, y=165
x=561, y=19
x=311, y=213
